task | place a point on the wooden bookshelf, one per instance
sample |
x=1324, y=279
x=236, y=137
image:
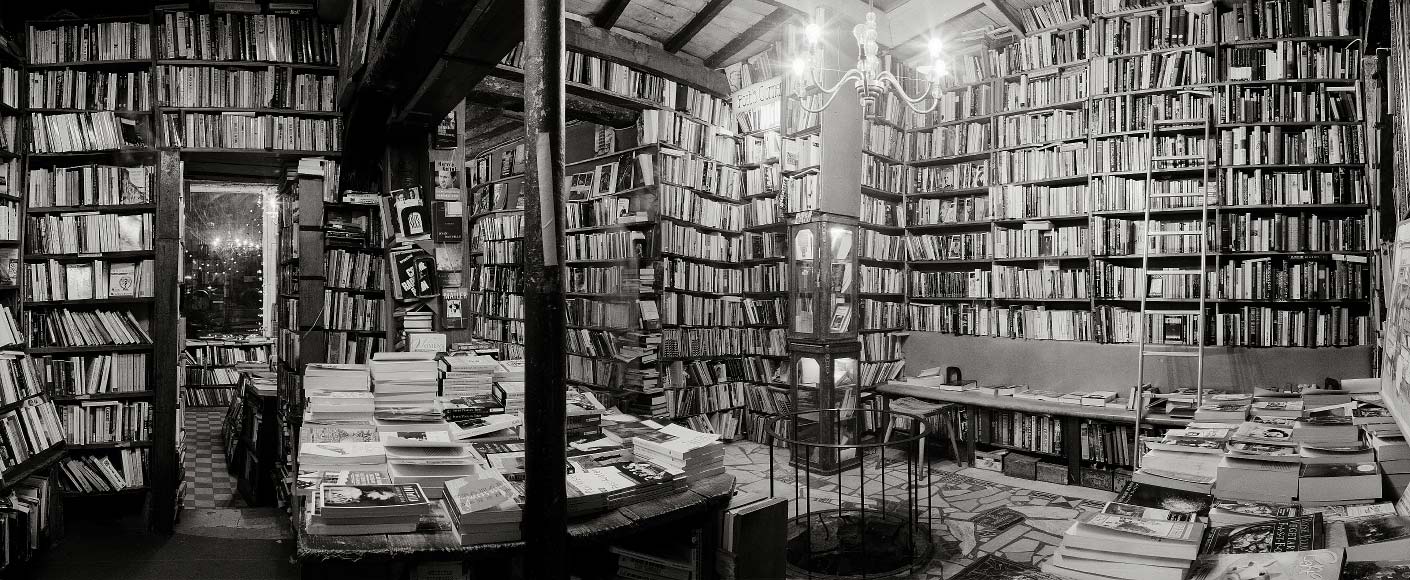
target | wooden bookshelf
x=1094, y=131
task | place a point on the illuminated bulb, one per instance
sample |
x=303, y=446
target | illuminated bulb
x=935, y=48
x=813, y=32
x=800, y=66
x=937, y=69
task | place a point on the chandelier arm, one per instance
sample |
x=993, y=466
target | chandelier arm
x=830, y=92
x=901, y=91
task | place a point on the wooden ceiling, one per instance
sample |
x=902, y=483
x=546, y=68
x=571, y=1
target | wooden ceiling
x=720, y=32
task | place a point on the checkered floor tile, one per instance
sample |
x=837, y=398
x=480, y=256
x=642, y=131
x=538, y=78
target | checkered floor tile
x=209, y=484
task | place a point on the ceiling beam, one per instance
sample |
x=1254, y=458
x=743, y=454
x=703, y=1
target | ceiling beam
x=607, y=17
x=850, y=11
x=750, y=35
x=1005, y=15
x=706, y=14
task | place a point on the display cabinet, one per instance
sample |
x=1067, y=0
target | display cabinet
x=824, y=289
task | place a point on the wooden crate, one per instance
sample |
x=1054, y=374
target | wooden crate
x=1097, y=478
x=1052, y=473
x=1020, y=465
x=990, y=460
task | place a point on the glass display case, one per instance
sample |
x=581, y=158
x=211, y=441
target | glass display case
x=824, y=379
x=824, y=288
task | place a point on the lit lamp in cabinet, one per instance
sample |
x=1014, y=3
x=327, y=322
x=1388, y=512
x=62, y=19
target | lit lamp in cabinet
x=822, y=339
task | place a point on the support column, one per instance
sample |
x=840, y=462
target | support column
x=545, y=528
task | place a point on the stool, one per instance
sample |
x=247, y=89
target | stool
x=941, y=417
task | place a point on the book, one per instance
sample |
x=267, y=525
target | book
x=348, y=501
x=1295, y=534
x=1169, y=499
x=1388, y=569
x=1297, y=565
x=1372, y=539
x=1323, y=482
x=1111, y=533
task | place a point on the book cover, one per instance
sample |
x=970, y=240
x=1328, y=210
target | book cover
x=1165, y=530
x=1299, y=565
x=1282, y=535
x=1165, y=498
x=996, y=567
x=412, y=215
x=1143, y=512
x=122, y=279
x=371, y=498
x=1375, y=530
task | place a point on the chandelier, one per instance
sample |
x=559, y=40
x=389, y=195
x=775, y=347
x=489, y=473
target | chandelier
x=870, y=80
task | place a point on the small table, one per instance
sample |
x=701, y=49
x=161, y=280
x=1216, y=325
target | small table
x=326, y=556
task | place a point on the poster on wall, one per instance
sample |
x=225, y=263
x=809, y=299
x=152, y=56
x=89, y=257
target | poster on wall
x=453, y=307
x=447, y=181
x=1395, y=331
x=413, y=218
x=445, y=135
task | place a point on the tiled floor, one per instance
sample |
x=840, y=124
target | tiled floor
x=209, y=485
x=959, y=496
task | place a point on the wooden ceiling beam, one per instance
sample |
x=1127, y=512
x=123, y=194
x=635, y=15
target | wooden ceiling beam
x=607, y=17
x=764, y=26
x=686, y=33
x=508, y=96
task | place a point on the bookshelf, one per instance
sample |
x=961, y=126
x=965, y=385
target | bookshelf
x=277, y=93
x=213, y=375
x=496, y=293
x=1050, y=250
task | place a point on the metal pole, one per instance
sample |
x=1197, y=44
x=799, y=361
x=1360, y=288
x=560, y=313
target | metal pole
x=545, y=526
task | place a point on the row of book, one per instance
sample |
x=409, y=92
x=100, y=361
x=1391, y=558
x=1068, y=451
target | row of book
x=85, y=233
x=29, y=430
x=90, y=473
x=292, y=38
x=1171, y=26
x=89, y=42
x=93, y=422
x=90, y=185
x=273, y=87
x=52, y=280
x=74, y=132
x=90, y=375
x=66, y=328
x=247, y=130
x=352, y=270
x=92, y=90
x=216, y=397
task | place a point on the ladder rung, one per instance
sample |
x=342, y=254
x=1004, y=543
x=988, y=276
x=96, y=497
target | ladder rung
x=1174, y=312
x=1175, y=273
x=1158, y=233
x=1177, y=158
x=1170, y=353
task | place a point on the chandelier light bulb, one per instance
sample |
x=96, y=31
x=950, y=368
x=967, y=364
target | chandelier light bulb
x=813, y=32
x=800, y=66
x=935, y=47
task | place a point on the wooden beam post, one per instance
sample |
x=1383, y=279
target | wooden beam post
x=545, y=520
x=703, y=17
x=166, y=333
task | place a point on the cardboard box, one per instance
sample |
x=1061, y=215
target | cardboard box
x=990, y=460
x=1052, y=473
x=1020, y=465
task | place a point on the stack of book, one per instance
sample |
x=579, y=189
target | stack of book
x=694, y=454
x=485, y=507
x=467, y=375
x=337, y=447
x=329, y=377
x=593, y=487
x=479, y=417
x=1392, y=454
x=1261, y=464
x=348, y=510
x=1186, y=459
x=404, y=379
x=509, y=375
x=1128, y=541
x=420, y=450
x=1300, y=565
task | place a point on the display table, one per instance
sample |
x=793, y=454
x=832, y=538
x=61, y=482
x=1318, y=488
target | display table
x=1072, y=417
x=323, y=556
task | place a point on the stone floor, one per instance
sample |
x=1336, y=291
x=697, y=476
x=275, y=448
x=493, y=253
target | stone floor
x=966, y=503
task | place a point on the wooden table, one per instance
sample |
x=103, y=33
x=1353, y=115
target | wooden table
x=322, y=556
x=1072, y=414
